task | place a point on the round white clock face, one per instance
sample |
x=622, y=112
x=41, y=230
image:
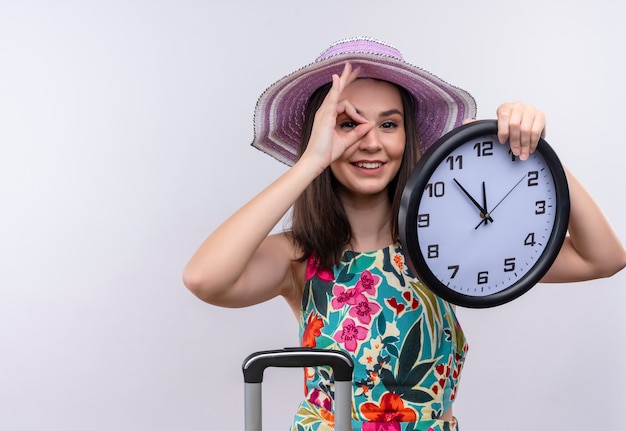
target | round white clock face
x=477, y=196
x=480, y=226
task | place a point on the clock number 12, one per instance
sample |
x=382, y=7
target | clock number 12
x=484, y=148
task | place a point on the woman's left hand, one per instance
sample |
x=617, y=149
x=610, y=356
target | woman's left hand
x=522, y=125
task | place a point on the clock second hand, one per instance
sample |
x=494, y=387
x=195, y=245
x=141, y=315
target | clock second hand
x=503, y=198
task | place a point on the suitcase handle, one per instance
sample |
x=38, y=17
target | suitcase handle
x=256, y=363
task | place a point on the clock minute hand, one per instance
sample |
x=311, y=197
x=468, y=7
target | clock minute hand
x=483, y=212
x=486, y=216
x=484, y=197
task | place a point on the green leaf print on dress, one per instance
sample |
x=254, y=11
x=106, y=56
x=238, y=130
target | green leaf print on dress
x=406, y=344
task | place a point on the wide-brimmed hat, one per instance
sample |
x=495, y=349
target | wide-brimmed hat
x=279, y=113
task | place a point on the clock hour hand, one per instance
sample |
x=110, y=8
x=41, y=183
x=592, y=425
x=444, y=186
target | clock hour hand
x=483, y=213
x=486, y=216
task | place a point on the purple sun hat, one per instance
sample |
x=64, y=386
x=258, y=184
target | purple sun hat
x=279, y=112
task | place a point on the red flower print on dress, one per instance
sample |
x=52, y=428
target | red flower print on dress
x=350, y=334
x=313, y=328
x=368, y=282
x=364, y=310
x=313, y=268
x=386, y=415
x=320, y=399
x=393, y=303
x=411, y=299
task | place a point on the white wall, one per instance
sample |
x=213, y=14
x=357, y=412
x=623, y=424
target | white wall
x=124, y=140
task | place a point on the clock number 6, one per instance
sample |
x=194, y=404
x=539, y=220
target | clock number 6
x=483, y=277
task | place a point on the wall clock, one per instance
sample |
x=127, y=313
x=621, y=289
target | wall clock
x=481, y=227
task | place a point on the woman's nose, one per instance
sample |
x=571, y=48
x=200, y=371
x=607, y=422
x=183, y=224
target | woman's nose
x=370, y=142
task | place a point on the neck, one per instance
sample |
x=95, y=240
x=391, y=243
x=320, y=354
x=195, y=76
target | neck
x=370, y=221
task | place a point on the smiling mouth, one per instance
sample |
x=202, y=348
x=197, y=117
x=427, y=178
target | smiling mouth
x=368, y=165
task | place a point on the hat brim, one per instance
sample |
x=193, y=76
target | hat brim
x=279, y=113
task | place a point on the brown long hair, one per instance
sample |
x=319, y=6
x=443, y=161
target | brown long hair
x=319, y=223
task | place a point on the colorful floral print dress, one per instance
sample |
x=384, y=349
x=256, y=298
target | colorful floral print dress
x=407, y=346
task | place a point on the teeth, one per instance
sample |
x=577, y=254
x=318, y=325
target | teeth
x=369, y=165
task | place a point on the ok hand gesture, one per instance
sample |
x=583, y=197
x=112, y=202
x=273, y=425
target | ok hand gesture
x=325, y=144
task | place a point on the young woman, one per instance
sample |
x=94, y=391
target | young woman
x=352, y=125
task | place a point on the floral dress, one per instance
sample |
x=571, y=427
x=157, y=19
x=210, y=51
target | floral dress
x=407, y=346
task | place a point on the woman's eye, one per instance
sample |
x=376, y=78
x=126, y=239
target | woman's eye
x=389, y=125
x=348, y=124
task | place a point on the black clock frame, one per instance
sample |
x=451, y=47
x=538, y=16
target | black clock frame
x=414, y=190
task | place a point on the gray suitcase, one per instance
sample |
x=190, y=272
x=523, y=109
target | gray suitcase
x=254, y=365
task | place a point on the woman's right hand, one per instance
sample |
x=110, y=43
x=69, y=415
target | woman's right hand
x=327, y=143
x=239, y=264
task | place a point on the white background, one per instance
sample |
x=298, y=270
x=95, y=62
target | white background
x=124, y=140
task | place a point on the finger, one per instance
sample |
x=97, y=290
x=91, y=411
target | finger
x=363, y=126
x=503, y=116
x=358, y=133
x=531, y=129
x=348, y=108
x=525, y=134
x=538, y=130
x=345, y=75
x=334, y=92
x=515, y=135
x=339, y=82
x=326, y=114
x=348, y=75
x=350, y=72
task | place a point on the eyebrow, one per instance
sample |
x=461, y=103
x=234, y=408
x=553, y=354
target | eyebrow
x=385, y=113
x=390, y=112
